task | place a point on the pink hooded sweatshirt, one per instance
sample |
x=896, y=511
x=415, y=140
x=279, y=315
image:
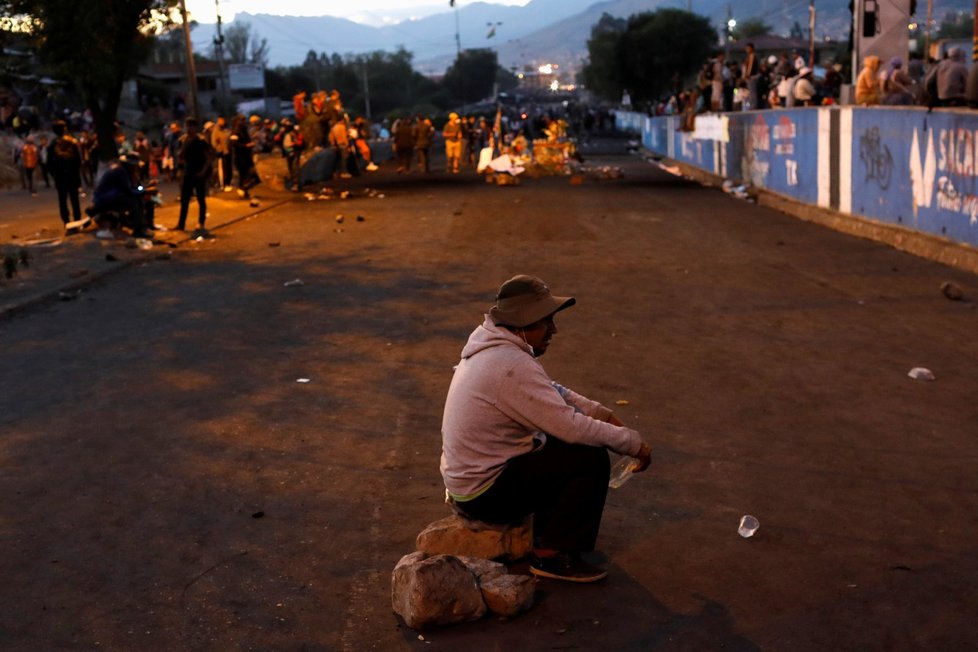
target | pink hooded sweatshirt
x=501, y=401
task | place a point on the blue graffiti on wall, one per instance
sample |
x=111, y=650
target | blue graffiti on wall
x=876, y=157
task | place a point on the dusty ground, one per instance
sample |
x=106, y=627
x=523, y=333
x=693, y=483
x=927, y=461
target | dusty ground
x=168, y=485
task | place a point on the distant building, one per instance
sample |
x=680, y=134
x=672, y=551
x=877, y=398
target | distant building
x=767, y=44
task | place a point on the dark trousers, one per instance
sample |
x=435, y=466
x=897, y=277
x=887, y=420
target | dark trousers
x=404, y=155
x=563, y=485
x=292, y=161
x=192, y=185
x=224, y=162
x=247, y=179
x=423, y=158
x=68, y=189
x=127, y=206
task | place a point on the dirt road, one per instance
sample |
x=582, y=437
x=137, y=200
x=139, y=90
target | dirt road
x=168, y=485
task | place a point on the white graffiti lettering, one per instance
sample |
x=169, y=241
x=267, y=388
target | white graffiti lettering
x=786, y=149
x=791, y=168
x=948, y=197
x=689, y=147
x=971, y=209
x=957, y=152
x=760, y=136
x=784, y=130
x=922, y=172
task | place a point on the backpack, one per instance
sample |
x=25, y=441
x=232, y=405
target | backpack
x=29, y=156
x=66, y=149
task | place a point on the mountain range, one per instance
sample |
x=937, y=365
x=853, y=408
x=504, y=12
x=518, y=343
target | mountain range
x=542, y=31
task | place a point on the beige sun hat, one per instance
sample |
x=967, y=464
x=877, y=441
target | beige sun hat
x=524, y=300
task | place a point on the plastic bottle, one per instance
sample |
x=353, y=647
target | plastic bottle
x=622, y=470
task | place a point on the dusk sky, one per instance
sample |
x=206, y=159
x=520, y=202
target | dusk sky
x=373, y=12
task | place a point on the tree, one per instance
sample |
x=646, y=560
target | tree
x=242, y=46
x=472, y=76
x=751, y=28
x=652, y=55
x=95, y=47
x=602, y=74
x=391, y=79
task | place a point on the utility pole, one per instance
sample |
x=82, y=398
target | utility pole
x=811, y=33
x=974, y=36
x=191, y=68
x=219, y=52
x=458, y=56
x=366, y=91
x=495, y=73
x=930, y=15
x=458, y=37
x=731, y=23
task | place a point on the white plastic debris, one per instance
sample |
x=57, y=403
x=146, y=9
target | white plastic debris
x=302, y=380
x=293, y=283
x=921, y=373
x=748, y=526
x=671, y=169
x=506, y=164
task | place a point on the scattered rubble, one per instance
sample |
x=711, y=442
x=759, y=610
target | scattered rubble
x=671, y=169
x=437, y=590
x=445, y=589
x=952, y=291
x=738, y=191
x=921, y=373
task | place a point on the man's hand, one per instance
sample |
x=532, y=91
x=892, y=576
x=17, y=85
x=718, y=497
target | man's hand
x=644, y=458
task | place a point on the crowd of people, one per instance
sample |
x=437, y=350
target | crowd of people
x=789, y=80
x=219, y=155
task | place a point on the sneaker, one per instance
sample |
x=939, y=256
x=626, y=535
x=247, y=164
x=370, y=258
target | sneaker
x=372, y=167
x=345, y=175
x=566, y=567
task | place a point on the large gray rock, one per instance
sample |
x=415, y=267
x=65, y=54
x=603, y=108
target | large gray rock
x=483, y=569
x=456, y=535
x=505, y=595
x=437, y=590
x=509, y=595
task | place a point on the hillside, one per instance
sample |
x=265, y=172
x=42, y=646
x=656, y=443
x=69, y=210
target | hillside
x=291, y=37
x=542, y=31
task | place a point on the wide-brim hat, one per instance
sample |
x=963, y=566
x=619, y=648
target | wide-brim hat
x=525, y=300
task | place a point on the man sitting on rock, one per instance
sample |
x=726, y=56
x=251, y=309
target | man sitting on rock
x=516, y=443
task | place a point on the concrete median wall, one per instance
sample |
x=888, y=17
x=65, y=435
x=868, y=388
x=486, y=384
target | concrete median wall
x=899, y=167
